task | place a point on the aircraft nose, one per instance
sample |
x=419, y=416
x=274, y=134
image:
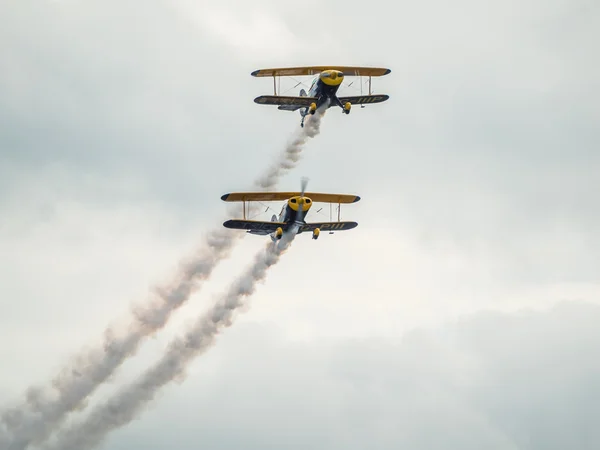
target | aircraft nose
x=332, y=77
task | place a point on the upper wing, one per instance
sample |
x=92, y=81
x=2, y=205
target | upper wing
x=285, y=100
x=332, y=198
x=254, y=225
x=328, y=226
x=276, y=196
x=364, y=99
x=315, y=70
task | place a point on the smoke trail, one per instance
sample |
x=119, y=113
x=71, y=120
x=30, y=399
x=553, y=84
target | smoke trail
x=292, y=152
x=45, y=409
x=130, y=401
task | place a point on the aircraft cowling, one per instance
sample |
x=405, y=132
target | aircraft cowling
x=295, y=202
x=332, y=77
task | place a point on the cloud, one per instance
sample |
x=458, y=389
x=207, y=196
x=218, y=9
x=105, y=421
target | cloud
x=477, y=178
x=254, y=33
x=83, y=89
x=490, y=380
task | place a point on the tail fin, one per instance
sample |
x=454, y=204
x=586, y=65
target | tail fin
x=273, y=219
x=303, y=110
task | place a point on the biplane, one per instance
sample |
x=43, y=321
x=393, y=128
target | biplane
x=292, y=214
x=322, y=90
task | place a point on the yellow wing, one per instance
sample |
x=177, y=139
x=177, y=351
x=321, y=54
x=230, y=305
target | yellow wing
x=277, y=196
x=315, y=70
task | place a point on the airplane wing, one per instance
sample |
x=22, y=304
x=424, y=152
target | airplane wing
x=287, y=101
x=364, y=99
x=254, y=225
x=315, y=70
x=289, y=107
x=277, y=196
x=328, y=226
x=259, y=227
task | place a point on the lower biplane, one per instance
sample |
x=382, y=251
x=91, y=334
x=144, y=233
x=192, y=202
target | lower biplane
x=322, y=90
x=292, y=213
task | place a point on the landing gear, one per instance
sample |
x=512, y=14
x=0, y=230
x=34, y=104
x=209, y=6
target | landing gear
x=278, y=233
x=346, y=108
x=316, y=233
x=309, y=110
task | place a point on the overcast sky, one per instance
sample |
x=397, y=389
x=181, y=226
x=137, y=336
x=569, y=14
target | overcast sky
x=462, y=311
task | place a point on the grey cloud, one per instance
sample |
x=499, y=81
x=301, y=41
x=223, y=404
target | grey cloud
x=481, y=96
x=490, y=380
x=487, y=146
x=84, y=89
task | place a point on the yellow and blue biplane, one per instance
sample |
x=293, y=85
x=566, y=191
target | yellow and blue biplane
x=323, y=89
x=292, y=213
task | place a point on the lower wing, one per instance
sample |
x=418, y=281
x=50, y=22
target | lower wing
x=364, y=99
x=254, y=225
x=287, y=103
x=259, y=227
x=328, y=226
x=289, y=107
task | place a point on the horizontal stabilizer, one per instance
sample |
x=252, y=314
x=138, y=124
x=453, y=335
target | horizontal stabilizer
x=364, y=99
x=315, y=70
x=277, y=196
x=285, y=100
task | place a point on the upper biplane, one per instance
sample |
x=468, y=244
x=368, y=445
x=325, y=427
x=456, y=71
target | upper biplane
x=292, y=213
x=322, y=90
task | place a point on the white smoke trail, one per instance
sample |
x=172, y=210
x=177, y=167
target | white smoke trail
x=44, y=409
x=127, y=404
x=291, y=155
x=90, y=369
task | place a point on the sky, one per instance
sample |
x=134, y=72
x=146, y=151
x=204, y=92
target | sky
x=460, y=313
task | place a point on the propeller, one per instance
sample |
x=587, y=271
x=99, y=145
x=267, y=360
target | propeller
x=300, y=214
x=303, y=184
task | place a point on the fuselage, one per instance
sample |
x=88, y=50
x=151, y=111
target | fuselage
x=324, y=89
x=325, y=86
x=290, y=209
x=292, y=212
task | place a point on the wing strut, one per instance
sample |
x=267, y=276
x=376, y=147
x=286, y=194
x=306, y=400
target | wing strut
x=244, y=210
x=339, y=210
x=369, y=85
x=331, y=215
x=274, y=85
x=361, y=90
